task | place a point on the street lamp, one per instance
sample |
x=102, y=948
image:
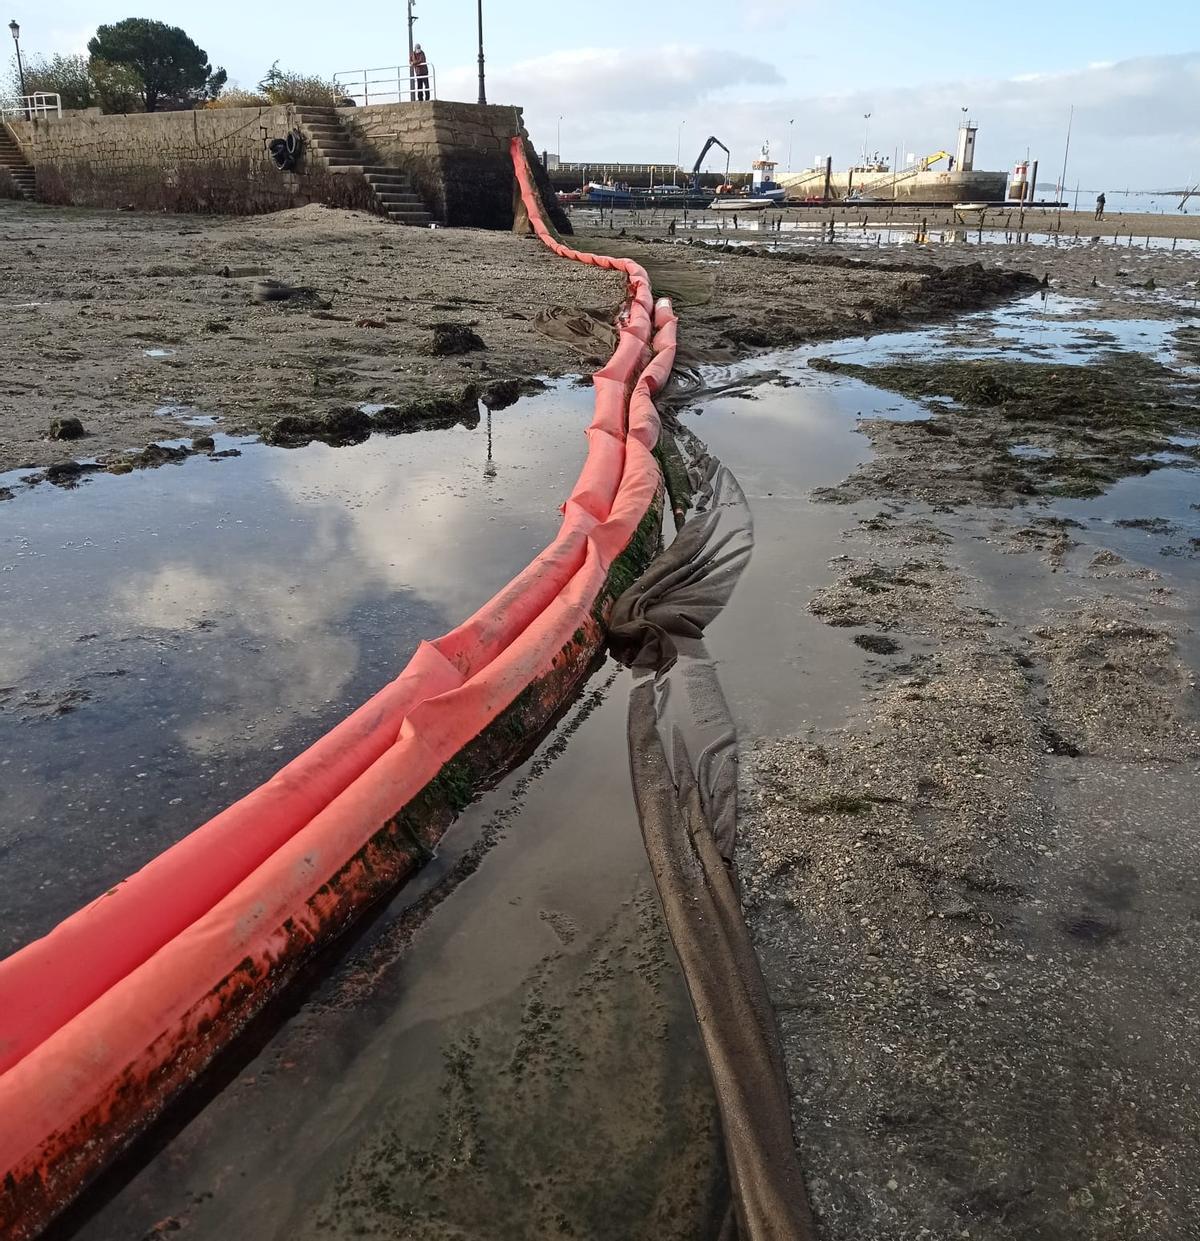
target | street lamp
x=412, y=68
x=15, y=31
x=791, y=133
x=558, y=149
x=678, y=151
x=482, y=90
x=866, y=134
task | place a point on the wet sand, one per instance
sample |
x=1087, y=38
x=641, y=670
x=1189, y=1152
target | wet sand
x=137, y=325
x=968, y=847
x=133, y=323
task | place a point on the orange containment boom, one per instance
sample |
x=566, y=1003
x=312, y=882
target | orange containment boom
x=118, y=1008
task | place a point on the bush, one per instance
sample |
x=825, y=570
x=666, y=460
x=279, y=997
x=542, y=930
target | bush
x=82, y=83
x=284, y=86
x=235, y=97
x=68, y=76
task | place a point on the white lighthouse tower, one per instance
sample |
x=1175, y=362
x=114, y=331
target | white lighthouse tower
x=964, y=156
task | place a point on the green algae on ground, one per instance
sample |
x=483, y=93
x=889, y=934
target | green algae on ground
x=1093, y=423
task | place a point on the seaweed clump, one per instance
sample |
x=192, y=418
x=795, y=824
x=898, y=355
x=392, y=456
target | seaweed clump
x=1094, y=423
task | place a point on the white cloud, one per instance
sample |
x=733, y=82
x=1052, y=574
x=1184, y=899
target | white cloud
x=600, y=82
x=70, y=40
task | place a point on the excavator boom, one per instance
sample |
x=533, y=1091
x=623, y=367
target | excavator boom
x=708, y=146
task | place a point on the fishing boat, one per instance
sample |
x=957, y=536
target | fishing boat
x=735, y=202
x=597, y=195
x=762, y=177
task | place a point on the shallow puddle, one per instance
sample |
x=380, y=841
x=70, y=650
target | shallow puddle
x=170, y=637
x=781, y=668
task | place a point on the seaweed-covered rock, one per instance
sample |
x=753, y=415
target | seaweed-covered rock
x=65, y=429
x=154, y=455
x=502, y=393
x=432, y=412
x=68, y=473
x=453, y=338
x=346, y=425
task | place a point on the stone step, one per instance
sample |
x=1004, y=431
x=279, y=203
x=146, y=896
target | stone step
x=401, y=200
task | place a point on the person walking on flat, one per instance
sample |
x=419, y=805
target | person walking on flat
x=1100, y=205
x=420, y=69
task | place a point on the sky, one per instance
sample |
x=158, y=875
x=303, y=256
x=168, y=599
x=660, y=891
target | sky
x=640, y=82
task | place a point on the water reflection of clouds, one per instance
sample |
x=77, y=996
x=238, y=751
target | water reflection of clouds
x=442, y=526
x=216, y=618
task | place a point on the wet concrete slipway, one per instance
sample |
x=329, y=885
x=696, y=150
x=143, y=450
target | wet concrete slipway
x=506, y=1050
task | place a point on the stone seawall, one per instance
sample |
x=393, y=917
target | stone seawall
x=216, y=160
x=212, y=161
x=456, y=153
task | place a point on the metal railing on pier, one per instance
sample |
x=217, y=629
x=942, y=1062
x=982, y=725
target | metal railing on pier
x=391, y=84
x=40, y=103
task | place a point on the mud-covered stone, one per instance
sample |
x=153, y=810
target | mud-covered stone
x=454, y=338
x=65, y=429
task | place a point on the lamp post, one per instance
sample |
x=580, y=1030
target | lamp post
x=866, y=134
x=482, y=89
x=15, y=31
x=412, y=76
x=678, y=151
x=558, y=149
x=791, y=134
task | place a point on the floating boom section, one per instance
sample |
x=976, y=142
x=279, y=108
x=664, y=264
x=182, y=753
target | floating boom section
x=110, y=1015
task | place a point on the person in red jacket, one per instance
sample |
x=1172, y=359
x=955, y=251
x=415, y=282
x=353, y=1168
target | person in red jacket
x=420, y=70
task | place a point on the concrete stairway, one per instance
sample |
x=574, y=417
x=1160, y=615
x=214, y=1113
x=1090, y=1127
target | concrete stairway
x=329, y=144
x=12, y=160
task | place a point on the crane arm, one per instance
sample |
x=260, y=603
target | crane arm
x=708, y=146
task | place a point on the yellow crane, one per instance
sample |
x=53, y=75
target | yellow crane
x=924, y=165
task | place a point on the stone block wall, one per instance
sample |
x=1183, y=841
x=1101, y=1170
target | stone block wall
x=455, y=153
x=207, y=161
x=215, y=160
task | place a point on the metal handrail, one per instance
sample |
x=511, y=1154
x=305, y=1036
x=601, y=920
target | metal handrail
x=392, y=84
x=40, y=103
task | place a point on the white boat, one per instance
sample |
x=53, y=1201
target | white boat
x=971, y=206
x=741, y=204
